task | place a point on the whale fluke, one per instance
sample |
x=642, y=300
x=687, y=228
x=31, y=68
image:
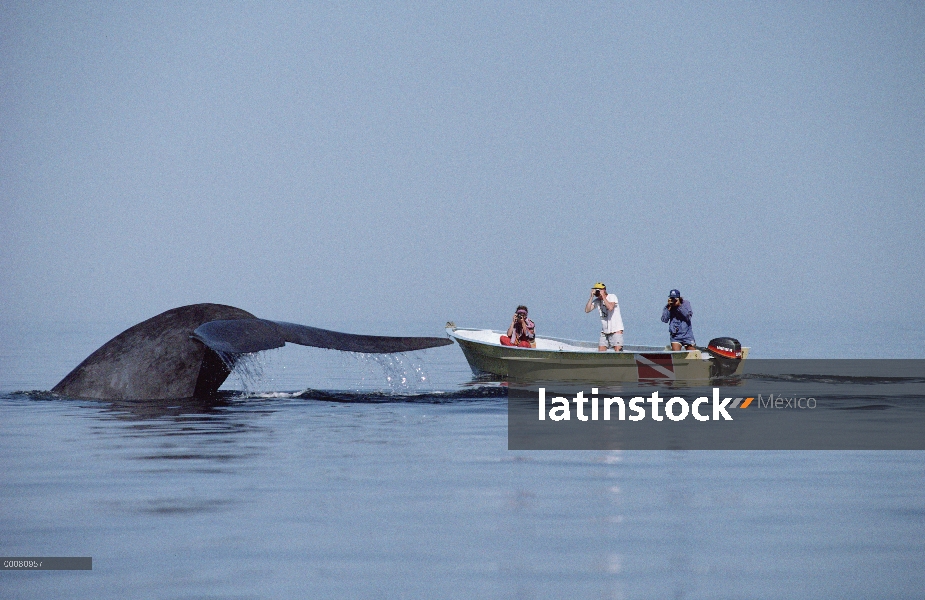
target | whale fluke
x=253, y=335
x=239, y=336
x=188, y=352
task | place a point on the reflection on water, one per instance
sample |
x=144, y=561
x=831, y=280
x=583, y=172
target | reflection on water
x=327, y=498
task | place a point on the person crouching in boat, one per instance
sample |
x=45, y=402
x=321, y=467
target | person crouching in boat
x=678, y=313
x=611, y=321
x=522, y=330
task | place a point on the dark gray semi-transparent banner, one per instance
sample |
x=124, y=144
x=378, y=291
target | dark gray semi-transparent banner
x=47, y=563
x=770, y=405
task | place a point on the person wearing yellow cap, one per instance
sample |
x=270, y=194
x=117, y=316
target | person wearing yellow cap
x=611, y=321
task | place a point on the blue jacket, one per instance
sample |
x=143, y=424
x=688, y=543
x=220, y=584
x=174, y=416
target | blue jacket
x=679, y=321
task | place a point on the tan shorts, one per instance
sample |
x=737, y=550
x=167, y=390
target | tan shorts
x=610, y=340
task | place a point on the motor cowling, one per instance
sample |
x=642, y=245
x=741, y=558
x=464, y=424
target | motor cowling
x=725, y=347
x=726, y=355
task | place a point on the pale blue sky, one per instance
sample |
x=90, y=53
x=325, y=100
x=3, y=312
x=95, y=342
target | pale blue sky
x=334, y=162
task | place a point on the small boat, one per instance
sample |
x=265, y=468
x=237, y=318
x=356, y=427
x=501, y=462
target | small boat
x=558, y=359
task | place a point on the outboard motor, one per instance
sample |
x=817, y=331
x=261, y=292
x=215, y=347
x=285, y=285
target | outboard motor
x=726, y=353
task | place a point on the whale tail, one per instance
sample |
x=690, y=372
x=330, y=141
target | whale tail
x=188, y=352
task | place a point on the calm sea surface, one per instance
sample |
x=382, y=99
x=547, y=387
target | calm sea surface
x=333, y=475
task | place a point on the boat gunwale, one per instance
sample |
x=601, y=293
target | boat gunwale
x=585, y=347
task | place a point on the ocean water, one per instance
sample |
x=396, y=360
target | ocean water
x=325, y=474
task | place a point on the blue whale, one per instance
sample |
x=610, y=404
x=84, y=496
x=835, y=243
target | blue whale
x=188, y=352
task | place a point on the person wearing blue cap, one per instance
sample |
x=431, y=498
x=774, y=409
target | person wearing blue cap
x=678, y=313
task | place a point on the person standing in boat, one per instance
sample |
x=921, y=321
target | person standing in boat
x=611, y=321
x=678, y=313
x=522, y=330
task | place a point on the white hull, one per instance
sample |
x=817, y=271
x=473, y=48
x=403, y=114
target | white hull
x=556, y=359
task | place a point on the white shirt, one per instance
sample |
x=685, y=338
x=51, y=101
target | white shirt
x=611, y=321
